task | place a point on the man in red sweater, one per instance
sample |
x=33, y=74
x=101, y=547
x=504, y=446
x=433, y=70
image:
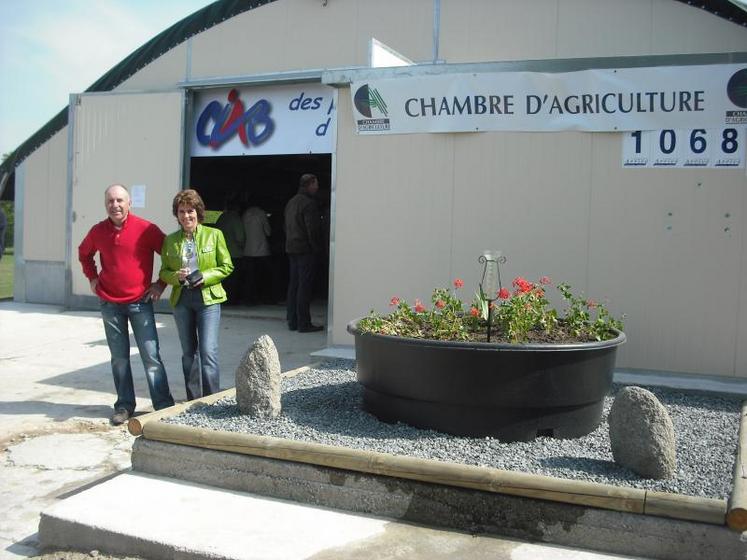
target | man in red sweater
x=126, y=244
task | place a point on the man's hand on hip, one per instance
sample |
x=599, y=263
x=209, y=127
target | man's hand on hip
x=154, y=291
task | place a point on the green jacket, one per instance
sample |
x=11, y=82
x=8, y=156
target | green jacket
x=213, y=260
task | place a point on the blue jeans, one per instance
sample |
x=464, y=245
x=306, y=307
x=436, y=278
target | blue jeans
x=198, y=325
x=140, y=317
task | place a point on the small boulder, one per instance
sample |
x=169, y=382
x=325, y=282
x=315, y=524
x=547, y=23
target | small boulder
x=642, y=434
x=258, y=380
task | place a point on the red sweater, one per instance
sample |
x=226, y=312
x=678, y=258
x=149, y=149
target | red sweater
x=126, y=257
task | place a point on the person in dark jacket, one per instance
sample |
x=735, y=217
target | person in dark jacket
x=303, y=244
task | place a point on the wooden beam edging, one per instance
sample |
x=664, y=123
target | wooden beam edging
x=135, y=424
x=736, y=515
x=592, y=494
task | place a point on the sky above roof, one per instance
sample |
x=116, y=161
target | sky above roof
x=51, y=48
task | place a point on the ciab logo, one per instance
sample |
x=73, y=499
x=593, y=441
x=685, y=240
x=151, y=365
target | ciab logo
x=367, y=98
x=254, y=126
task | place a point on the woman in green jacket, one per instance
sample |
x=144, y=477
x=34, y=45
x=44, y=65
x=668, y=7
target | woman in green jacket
x=194, y=261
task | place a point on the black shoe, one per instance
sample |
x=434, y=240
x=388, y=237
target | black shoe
x=311, y=328
x=120, y=416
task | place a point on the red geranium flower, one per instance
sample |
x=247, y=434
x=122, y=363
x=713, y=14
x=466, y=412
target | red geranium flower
x=522, y=284
x=440, y=304
x=591, y=304
x=419, y=307
x=545, y=280
x=394, y=301
x=474, y=312
x=503, y=293
x=458, y=283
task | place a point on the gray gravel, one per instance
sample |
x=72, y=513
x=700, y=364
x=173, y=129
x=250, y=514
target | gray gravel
x=323, y=405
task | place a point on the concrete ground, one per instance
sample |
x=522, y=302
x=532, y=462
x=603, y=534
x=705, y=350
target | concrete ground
x=56, y=394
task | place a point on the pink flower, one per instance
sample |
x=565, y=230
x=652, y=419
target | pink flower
x=458, y=283
x=394, y=301
x=440, y=304
x=503, y=293
x=545, y=280
x=419, y=307
x=474, y=312
x=591, y=304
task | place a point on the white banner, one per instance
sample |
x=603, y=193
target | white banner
x=590, y=100
x=712, y=148
x=291, y=119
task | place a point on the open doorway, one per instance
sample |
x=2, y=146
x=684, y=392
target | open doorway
x=268, y=182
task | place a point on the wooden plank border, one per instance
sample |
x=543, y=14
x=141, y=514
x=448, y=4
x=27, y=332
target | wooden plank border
x=591, y=494
x=736, y=516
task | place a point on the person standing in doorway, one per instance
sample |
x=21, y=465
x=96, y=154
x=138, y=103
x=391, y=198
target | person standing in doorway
x=126, y=244
x=256, y=254
x=195, y=260
x=232, y=227
x=303, y=243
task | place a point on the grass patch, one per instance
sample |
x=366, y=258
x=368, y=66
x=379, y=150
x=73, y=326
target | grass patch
x=7, y=265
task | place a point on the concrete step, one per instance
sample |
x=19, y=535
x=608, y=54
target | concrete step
x=155, y=517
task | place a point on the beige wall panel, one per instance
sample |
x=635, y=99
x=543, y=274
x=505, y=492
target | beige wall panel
x=603, y=28
x=250, y=43
x=660, y=251
x=116, y=144
x=484, y=30
x=678, y=28
x=282, y=35
x=741, y=334
x=45, y=201
x=393, y=219
x=164, y=72
x=410, y=32
x=526, y=195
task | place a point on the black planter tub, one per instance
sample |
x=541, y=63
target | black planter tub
x=513, y=392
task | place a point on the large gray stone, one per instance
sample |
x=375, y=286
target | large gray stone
x=642, y=434
x=258, y=379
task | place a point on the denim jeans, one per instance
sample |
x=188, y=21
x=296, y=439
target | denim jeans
x=198, y=325
x=140, y=317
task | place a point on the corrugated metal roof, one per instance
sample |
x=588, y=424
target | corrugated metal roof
x=214, y=14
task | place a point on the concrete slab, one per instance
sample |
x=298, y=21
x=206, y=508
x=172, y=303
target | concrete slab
x=57, y=393
x=195, y=521
x=442, y=505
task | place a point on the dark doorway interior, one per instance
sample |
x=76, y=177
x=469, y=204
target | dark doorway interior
x=269, y=182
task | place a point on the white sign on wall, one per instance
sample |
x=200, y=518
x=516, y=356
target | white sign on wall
x=714, y=148
x=602, y=100
x=290, y=119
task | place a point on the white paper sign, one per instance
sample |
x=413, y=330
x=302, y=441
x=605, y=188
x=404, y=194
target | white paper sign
x=137, y=196
x=710, y=148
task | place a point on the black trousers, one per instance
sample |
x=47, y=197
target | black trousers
x=302, y=269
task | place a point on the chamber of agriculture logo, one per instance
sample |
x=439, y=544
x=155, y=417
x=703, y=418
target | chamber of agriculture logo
x=369, y=103
x=736, y=89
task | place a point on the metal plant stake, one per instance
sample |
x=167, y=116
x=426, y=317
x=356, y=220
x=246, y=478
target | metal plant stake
x=491, y=280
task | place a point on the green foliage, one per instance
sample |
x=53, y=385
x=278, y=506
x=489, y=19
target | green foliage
x=6, y=275
x=522, y=316
x=9, y=209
